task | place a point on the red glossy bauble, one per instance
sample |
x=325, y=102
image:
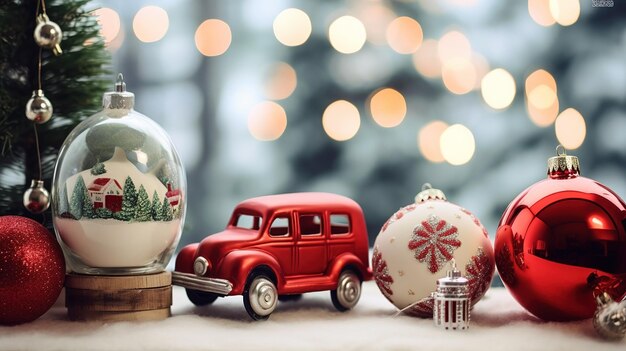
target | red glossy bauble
x=555, y=236
x=32, y=270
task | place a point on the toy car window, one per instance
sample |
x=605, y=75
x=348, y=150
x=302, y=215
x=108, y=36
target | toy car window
x=339, y=224
x=310, y=224
x=280, y=227
x=246, y=221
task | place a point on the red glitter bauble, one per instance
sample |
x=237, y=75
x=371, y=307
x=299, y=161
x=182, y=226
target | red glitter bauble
x=32, y=270
x=557, y=238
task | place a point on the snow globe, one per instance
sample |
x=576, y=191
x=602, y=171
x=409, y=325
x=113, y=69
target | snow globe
x=118, y=194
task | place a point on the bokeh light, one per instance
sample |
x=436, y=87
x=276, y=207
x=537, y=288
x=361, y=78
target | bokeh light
x=543, y=117
x=213, y=37
x=292, y=27
x=426, y=59
x=375, y=17
x=150, y=24
x=110, y=24
x=457, y=144
x=459, y=75
x=539, y=11
x=117, y=42
x=388, y=107
x=404, y=35
x=347, y=34
x=541, y=98
x=540, y=77
x=341, y=120
x=481, y=66
x=454, y=45
x=570, y=129
x=428, y=140
x=498, y=88
x=267, y=121
x=565, y=12
x=281, y=81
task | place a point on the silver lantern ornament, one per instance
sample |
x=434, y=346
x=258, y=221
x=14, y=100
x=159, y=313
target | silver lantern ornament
x=48, y=34
x=36, y=198
x=451, y=308
x=38, y=108
x=609, y=319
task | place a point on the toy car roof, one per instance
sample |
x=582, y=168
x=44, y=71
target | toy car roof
x=299, y=201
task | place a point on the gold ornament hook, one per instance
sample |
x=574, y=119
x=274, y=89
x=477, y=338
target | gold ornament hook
x=562, y=151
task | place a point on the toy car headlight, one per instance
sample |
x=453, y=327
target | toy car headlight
x=200, y=266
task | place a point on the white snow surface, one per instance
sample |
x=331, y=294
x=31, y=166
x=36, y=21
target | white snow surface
x=112, y=243
x=498, y=323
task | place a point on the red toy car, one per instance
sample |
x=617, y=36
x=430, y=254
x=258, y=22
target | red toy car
x=280, y=246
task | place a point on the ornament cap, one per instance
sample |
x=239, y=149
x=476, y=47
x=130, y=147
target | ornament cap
x=429, y=193
x=453, y=278
x=119, y=99
x=563, y=166
x=56, y=50
x=603, y=299
x=42, y=18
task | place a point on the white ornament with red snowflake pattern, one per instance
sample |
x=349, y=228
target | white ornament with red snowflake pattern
x=415, y=246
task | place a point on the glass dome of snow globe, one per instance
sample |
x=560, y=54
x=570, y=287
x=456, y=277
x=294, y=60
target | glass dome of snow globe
x=118, y=193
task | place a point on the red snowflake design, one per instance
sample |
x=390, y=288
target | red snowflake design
x=476, y=221
x=423, y=309
x=434, y=241
x=505, y=266
x=479, y=272
x=399, y=214
x=381, y=274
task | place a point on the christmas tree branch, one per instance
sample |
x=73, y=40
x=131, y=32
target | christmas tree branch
x=73, y=82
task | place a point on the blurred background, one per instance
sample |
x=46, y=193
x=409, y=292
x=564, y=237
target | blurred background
x=373, y=98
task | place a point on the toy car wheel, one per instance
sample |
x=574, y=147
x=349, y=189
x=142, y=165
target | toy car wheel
x=294, y=297
x=260, y=297
x=348, y=291
x=200, y=298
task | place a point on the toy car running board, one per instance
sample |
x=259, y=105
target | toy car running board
x=211, y=285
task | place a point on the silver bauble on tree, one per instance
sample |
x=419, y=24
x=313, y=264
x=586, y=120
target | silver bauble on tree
x=36, y=198
x=38, y=108
x=48, y=34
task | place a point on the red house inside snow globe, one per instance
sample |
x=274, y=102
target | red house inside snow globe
x=106, y=193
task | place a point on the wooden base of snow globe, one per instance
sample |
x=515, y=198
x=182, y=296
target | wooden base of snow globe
x=118, y=298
